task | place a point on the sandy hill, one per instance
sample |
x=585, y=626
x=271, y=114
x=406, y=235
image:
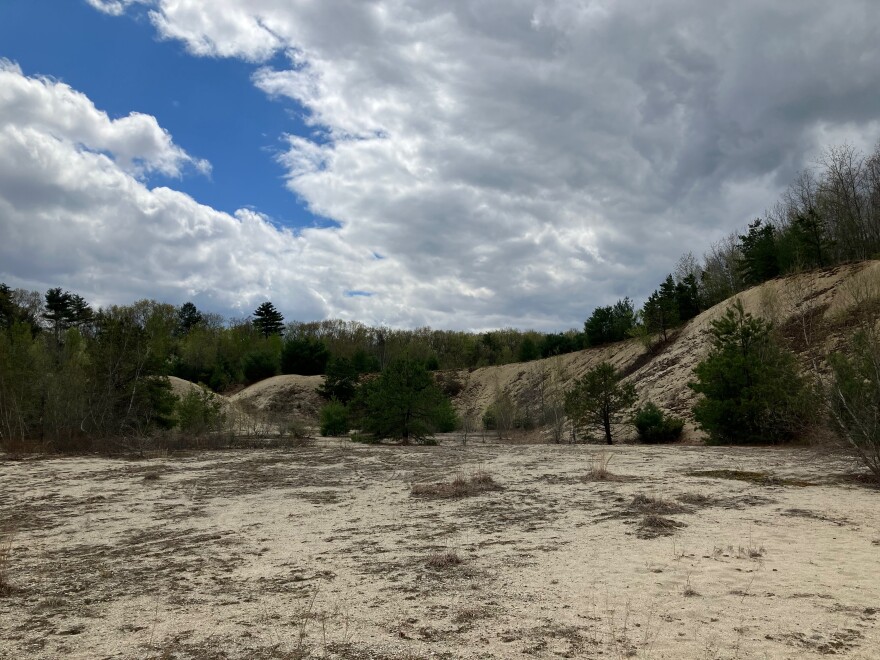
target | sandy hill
x=289, y=394
x=813, y=310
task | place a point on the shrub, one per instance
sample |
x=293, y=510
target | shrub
x=199, y=411
x=445, y=417
x=334, y=419
x=752, y=391
x=655, y=427
x=854, y=397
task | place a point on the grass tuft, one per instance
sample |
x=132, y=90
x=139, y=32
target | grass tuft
x=461, y=486
x=443, y=560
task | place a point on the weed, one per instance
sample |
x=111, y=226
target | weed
x=443, y=560
x=6, y=587
x=461, y=486
x=653, y=525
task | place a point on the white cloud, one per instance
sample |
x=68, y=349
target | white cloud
x=521, y=161
x=114, y=7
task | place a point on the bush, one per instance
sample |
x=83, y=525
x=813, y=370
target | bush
x=199, y=411
x=655, y=427
x=752, y=391
x=854, y=397
x=445, y=417
x=334, y=419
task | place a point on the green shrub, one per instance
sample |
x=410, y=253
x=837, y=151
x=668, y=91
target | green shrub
x=752, y=390
x=199, y=411
x=259, y=365
x=655, y=427
x=445, y=417
x=334, y=419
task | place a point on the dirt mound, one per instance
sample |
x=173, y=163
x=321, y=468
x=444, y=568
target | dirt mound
x=812, y=310
x=285, y=395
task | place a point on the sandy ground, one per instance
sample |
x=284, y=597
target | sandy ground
x=324, y=551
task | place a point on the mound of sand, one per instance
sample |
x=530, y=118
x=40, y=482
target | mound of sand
x=288, y=395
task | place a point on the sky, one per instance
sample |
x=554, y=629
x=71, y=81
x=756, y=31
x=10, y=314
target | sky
x=464, y=164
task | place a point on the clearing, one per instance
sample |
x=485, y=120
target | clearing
x=323, y=551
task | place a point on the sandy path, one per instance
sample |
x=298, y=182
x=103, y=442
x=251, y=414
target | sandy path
x=260, y=554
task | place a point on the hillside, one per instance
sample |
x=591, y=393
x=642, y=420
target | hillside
x=812, y=310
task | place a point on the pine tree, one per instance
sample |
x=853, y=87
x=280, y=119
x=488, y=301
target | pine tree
x=599, y=398
x=268, y=320
x=752, y=391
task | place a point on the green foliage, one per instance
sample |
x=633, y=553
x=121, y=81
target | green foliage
x=268, y=320
x=660, y=313
x=610, y=324
x=655, y=427
x=445, y=417
x=752, y=391
x=403, y=402
x=341, y=380
x=760, y=259
x=305, y=356
x=600, y=397
x=528, y=350
x=188, y=317
x=854, y=397
x=334, y=419
x=259, y=364
x=199, y=411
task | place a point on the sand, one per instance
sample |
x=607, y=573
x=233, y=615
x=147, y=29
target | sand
x=322, y=551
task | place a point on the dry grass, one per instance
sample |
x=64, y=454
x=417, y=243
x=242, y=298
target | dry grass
x=444, y=560
x=461, y=486
x=758, y=478
x=597, y=468
x=6, y=587
x=653, y=525
x=657, y=506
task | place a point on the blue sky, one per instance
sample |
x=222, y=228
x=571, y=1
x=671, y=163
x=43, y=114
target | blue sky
x=514, y=162
x=209, y=105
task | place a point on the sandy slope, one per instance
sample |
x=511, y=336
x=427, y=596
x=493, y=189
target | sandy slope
x=807, y=306
x=254, y=554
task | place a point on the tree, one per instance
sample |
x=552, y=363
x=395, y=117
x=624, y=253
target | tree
x=404, y=402
x=854, y=397
x=752, y=391
x=660, y=313
x=340, y=381
x=268, y=320
x=305, y=356
x=599, y=398
x=611, y=323
x=759, y=261
x=65, y=310
x=188, y=317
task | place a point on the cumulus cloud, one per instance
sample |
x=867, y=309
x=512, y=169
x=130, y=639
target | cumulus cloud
x=521, y=161
x=136, y=142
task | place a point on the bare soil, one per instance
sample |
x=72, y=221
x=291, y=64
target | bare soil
x=324, y=551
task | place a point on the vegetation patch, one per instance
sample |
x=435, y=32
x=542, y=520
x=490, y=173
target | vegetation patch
x=653, y=526
x=444, y=560
x=758, y=478
x=461, y=486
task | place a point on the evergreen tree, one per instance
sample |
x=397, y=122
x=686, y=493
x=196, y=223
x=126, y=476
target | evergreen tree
x=687, y=297
x=403, y=402
x=660, y=313
x=340, y=381
x=188, y=317
x=752, y=391
x=268, y=320
x=759, y=261
x=599, y=398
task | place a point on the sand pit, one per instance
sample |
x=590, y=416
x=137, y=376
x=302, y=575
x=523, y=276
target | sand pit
x=323, y=551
